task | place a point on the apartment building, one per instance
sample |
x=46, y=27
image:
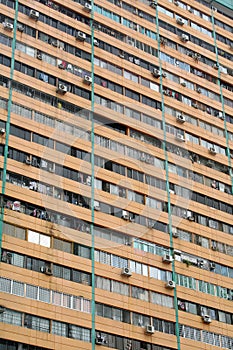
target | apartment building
x=116, y=149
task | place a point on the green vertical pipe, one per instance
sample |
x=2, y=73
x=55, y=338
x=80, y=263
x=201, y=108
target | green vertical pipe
x=222, y=99
x=92, y=183
x=8, y=119
x=167, y=185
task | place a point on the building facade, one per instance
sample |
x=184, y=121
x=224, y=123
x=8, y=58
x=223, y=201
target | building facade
x=116, y=175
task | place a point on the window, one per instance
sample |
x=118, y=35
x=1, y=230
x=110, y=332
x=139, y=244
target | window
x=14, y=231
x=11, y=317
x=39, y=238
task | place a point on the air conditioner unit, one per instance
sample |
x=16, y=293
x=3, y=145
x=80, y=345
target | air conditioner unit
x=167, y=258
x=150, y=224
x=166, y=92
x=176, y=3
x=214, y=9
x=212, y=150
x=20, y=28
x=153, y=3
x=156, y=73
x=55, y=43
x=28, y=161
x=189, y=8
x=87, y=79
x=96, y=205
x=196, y=56
x=216, y=66
x=220, y=115
x=61, y=66
x=87, y=7
x=189, y=216
x=125, y=215
x=164, y=75
x=181, y=305
x=140, y=14
x=180, y=118
x=214, y=245
x=180, y=21
x=81, y=36
x=206, y=319
x=170, y=284
x=51, y=169
x=99, y=340
x=2, y=309
x=175, y=232
x=194, y=105
x=2, y=131
x=199, y=90
x=149, y=329
x=210, y=163
x=184, y=38
x=46, y=270
x=39, y=56
x=96, y=43
x=231, y=46
x=62, y=89
x=183, y=83
x=200, y=263
x=180, y=137
x=8, y=26
x=34, y=14
x=212, y=266
x=163, y=41
x=130, y=42
x=126, y=272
